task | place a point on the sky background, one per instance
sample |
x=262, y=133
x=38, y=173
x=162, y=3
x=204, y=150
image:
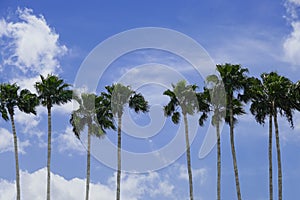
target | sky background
x=56, y=36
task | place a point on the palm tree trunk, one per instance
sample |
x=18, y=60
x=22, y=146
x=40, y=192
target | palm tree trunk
x=278, y=157
x=49, y=152
x=236, y=172
x=88, y=164
x=219, y=162
x=119, y=158
x=16, y=155
x=188, y=156
x=270, y=159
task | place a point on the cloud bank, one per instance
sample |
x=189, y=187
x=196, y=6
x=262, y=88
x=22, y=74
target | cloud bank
x=134, y=187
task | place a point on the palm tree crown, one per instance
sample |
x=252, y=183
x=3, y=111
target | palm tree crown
x=53, y=91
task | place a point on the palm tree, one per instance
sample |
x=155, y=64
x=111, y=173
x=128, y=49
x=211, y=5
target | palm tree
x=87, y=115
x=216, y=96
x=10, y=97
x=234, y=80
x=185, y=97
x=261, y=107
x=52, y=91
x=118, y=96
x=272, y=96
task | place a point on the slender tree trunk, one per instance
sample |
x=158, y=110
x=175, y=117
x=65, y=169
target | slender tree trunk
x=236, y=172
x=119, y=158
x=270, y=159
x=188, y=156
x=49, y=152
x=16, y=155
x=278, y=157
x=219, y=162
x=88, y=164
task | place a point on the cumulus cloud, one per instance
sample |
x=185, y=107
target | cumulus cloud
x=291, y=44
x=6, y=142
x=31, y=44
x=30, y=47
x=67, y=142
x=134, y=187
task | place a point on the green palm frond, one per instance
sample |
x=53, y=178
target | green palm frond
x=10, y=97
x=91, y=113
x=186, y=98
x=53, y=91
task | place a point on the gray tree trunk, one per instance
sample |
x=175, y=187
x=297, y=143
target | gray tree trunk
x=16, y=156
x=270, y=159
x=88, y=164
x=236, y=172
x=278, y=157
x=119, y=158
x=188, y=156
x=219, y=161
x=49, y=153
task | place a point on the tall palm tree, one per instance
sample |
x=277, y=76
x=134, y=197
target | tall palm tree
x=261, y=107
x=52, y=91
x=216, y=96
x=234, y=80
x=271, y=96
x=118, y=96
x=185, y=97
x=87, y=115
x=10, y=98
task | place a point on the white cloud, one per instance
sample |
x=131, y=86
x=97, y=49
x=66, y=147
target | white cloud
x=28, y=121
x=66, y=108
x=68, y=142
x=134, y=187
x=6, y=142
x=292, y=44
x=199, y=174
x=31, y=45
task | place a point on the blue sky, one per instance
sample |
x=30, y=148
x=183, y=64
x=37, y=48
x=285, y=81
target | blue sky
x=57, y=36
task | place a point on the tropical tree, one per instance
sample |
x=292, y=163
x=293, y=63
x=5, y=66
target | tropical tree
x=273, y=95
x=118, y=96
x=10, y=98
x=52, y=91
x=216, y=96
x=235, y=81
x=185, y=97
x=87, y=115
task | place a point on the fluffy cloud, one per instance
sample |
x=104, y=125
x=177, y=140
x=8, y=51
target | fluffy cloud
x=292, y=44
x=199, y=174
x=134, y=187
x=68, y=142
x=6, y=142
x=30, y=44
